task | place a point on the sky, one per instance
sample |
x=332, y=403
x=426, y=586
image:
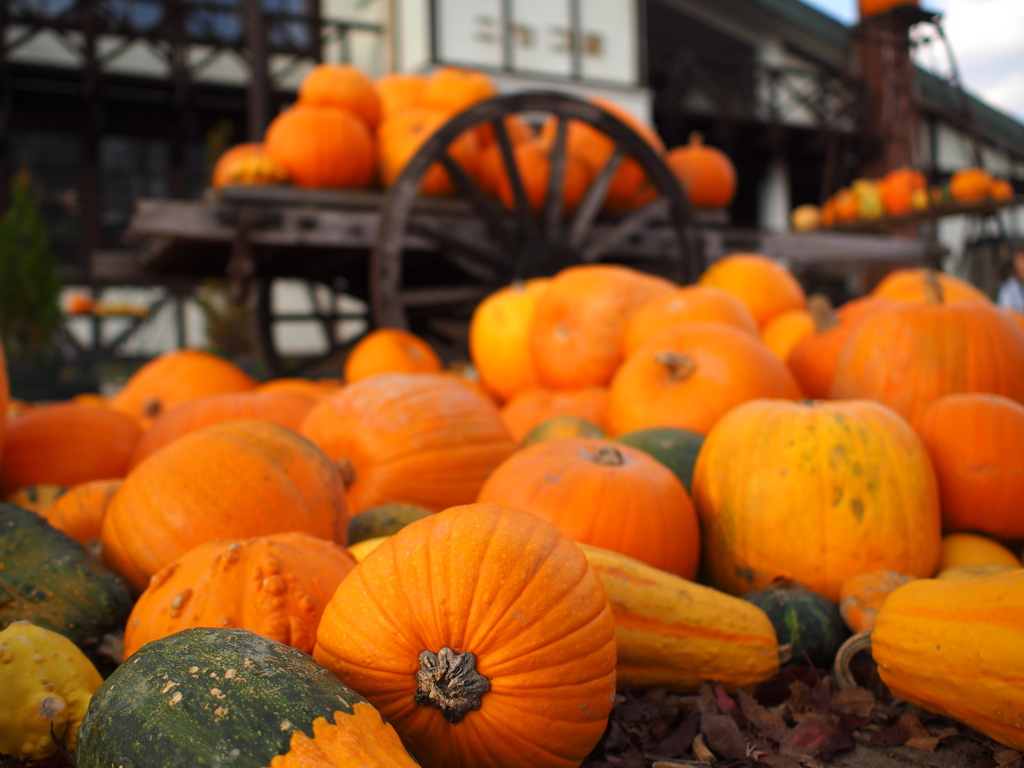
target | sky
x=987, y=37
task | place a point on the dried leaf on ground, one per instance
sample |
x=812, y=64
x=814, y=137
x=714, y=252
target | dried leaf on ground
x=1008, y=758
x=778, y=761
x=701, y=751
x=768, y=724
x=817, y=735
x=854, y=702
x=911, y=728
x=677, y=744
x=800, y=699
x=723, y=736
x=887, y=737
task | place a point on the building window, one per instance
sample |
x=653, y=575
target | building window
x=130, y=168
x=54, y=164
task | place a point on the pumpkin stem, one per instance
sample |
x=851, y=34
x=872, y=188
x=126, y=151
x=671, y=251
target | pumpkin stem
x=151, y=409
x=933, y=293
x=696, y=139
x=680, y=367
x=609, y=456
x=844, y=656
x=348, y=471
x=822, y=313
x=448, y=681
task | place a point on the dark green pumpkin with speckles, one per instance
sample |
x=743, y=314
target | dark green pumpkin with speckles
x=208, y=697
x=50, y=580
x=676, y=448
x=385, y=520
x=811, y=622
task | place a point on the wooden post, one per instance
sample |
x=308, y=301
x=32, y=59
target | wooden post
x=259, y=82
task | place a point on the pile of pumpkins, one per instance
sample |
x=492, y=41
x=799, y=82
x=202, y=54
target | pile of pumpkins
x=899, y=193
x=635, y=484
x=346, y=131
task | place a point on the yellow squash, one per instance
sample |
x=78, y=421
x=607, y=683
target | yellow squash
x=674, y=633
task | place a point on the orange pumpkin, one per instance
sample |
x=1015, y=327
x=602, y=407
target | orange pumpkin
x=813, y=359
x=175, y=378
x=604, y=494
x=913, y=284
x=398, y=92
x=79, y=511
x=66, y=444
x=912, y=354
x=961, y=550
x=534, y=168
x=390, y=350
x=285, y=409
x=764, y=287
x=692, y=303
x=786, y=330
x=235, y=479
x=1001, y=189
x=276, y=586
x=322, y=147
x=342, y=86
x=873, y=7
x=976, y=442
x=499, y=338
x=530, y=408
x=451, y=90
x=491, y=167
x=578, y=334
x=424, y=439
x=312, y=390
x=898, y=188
x=861, y=597
x=497, y=640
x=846, y=206
x=245, y=164
x=970, y=185
x=816, y=492
x=707, y=174
x=402, y=135
x=690, y=375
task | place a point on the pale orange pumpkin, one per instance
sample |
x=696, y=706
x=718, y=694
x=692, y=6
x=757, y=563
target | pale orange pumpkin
x=66, y=444
x=604, y=494
x=229, y=480
x=786, y=330
x=495, y=644
x=390, y=350
x=79, y=511
x=499, y=338
x=764, y=287
x=861, y=597
x=577, y=338
x=422, y=438
x=344, y=87
x=275, y=585
x=322, y=147
x=706, y=173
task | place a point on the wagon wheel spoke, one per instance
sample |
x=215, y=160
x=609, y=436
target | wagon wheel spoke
x=593, y=199
x=463, y=252
x=553, y=201
x=492, y=214
x=443, y=296
x=524, y=212
x=624, y=229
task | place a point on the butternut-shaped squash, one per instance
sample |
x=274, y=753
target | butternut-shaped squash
x=674, y=633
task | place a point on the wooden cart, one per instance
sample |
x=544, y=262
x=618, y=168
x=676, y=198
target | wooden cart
x=398, y=259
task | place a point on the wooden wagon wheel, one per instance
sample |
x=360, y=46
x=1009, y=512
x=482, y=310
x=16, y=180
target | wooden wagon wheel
x=428, y=271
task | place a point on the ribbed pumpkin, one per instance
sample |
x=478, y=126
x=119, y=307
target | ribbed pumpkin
x=911, y=355
x=967, y=632
x=706, y=173
x=673, y=633
x=690, y=375
x=311, y=389
x=815, y=492
x=971, y=549
x=861, y=597
x=322, y=147
x=66, y=444
x=402, y=135
x=276, y=586
x=915, y=284
x=79, y=511
x=532, y=407
x=390, y=350
x=399, y=91
x=499, y=338
x=691, y=303
x=496, y=647
x=285, y=409
x=970, y=185
x=786, y=330
x=230, y=480
x=813, y=359
x=219, y=696
x=577, y=338
x=175, y=378
x=247, y=163
x=605, y=494
x=765, y=288
x=976, y=442
x=342, y=86
x=422, y=438
x=534, y=167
